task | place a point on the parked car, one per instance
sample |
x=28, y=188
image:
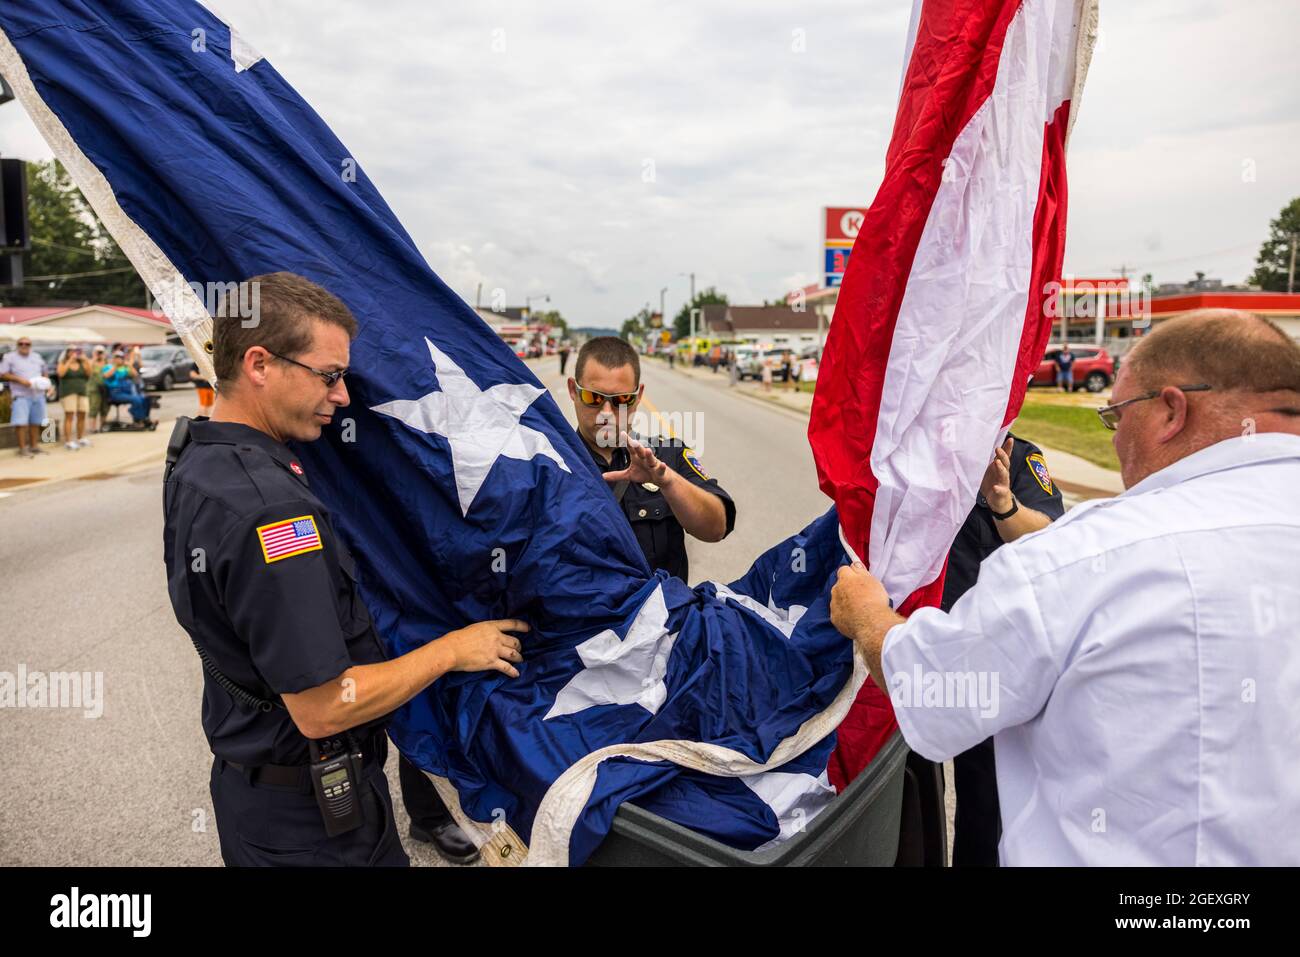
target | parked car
x=1094, y=368
x=752, y=366
x=161, y=367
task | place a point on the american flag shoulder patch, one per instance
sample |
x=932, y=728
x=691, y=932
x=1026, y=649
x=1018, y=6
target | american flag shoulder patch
x=293, y=536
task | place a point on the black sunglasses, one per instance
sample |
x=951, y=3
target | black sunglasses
x=1109, y=414
x=329, y=378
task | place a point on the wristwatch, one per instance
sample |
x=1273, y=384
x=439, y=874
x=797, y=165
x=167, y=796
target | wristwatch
x=1003, y=516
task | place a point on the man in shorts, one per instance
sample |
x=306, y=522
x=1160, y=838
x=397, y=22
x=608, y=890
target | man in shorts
x=19, y=368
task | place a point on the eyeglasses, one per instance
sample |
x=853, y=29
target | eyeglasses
x=594, y=399
x=1109, y=414
x=329, y=378
x=23, y=344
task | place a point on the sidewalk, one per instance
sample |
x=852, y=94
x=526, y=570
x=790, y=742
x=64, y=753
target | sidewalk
x=111, y=453
x=1081, y=478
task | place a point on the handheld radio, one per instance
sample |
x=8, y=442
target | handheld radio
x=336, y=780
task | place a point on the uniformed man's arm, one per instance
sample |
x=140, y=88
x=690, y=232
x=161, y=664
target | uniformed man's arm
x=701, y=513
x=274, y=577
x=996, y=489
x=365, y=692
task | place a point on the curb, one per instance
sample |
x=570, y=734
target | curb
x=774, y=404
x=111, y=471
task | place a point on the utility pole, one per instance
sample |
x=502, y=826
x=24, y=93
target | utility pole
x=661, y=304
x=1290, y=275
x=692, y=275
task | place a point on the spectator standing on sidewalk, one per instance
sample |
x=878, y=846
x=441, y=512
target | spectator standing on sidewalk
x=94, y=393
x=1065, y=369
x=74, y=381
x=19, y=368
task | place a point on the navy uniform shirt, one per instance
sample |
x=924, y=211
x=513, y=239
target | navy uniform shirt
x=660, y=535
x=259, y=578
x=978, y=538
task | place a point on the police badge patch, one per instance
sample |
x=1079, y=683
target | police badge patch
x=1038, y=465
x=693, y=461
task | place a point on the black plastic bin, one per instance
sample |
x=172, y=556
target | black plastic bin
x=859, y=828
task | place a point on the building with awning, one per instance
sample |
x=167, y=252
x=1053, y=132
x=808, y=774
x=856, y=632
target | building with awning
x=123, y=325
x=1281, y=307
x=1111, y=314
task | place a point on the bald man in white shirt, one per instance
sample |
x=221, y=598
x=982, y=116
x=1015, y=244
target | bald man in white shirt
x=1138, y=661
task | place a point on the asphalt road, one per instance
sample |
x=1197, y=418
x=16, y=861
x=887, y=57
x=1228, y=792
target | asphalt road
x=82, y=575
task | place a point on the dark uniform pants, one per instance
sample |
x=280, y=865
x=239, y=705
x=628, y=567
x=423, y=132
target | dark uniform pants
x=420, y=797
x=264, y=825
x=978, y=824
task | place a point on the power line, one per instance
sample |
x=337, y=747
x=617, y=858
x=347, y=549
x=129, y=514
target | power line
x=71, y=249
x=77, y=276
x=1183, y=259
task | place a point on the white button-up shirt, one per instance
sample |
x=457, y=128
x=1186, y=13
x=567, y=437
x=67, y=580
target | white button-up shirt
x=1138, y=662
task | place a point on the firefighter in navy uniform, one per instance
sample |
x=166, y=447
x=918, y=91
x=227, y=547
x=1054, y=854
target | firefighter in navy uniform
x=1017, y=496
x=294, y=673
x=661, y=486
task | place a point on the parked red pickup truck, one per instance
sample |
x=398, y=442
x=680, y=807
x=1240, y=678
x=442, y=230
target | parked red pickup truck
x=1094, y=368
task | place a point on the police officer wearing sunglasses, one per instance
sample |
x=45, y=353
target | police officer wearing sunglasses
x=660, y=484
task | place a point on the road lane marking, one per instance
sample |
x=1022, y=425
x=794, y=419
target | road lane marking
x=668, y=426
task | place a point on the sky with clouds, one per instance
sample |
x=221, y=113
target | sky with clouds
x=598, y=152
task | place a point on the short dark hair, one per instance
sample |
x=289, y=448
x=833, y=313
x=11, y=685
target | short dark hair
x=611, y=352
x=286, y=305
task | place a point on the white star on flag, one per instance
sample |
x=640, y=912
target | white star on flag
x=481, y=425
x=782, y=619
x=623, y=670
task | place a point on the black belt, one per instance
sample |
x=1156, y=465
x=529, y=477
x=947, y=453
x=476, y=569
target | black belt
x=299, y=775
